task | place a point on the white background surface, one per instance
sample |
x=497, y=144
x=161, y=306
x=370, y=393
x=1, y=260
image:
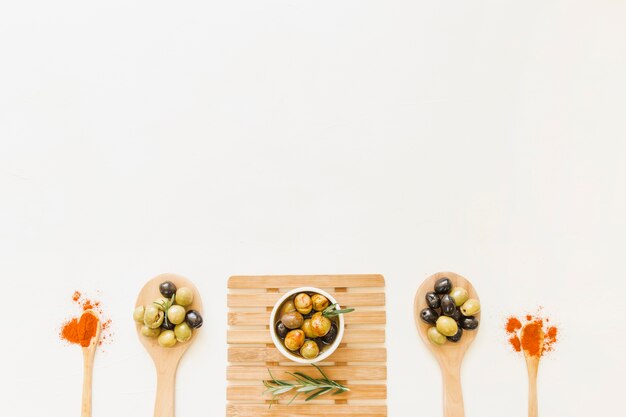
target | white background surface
x=249, y=137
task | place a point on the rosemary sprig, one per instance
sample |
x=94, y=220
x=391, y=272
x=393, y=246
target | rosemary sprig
x=331, y=311
x=303, y=383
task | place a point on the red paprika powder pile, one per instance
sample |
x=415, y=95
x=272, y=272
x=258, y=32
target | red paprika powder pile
x=80, y=330
x=527, y=336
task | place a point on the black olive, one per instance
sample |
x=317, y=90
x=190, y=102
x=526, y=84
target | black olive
x=457, y=336
x=330, y=337
x=443, y=286
x=281, y=330
x=448, y=307
x=429, y=315
x=468, y=323
x=167, y=325
x=433, y=300
x=167, y=289
x=457, y=315
x=193, y=319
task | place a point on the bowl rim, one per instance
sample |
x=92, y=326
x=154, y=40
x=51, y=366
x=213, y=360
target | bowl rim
x=282, y=349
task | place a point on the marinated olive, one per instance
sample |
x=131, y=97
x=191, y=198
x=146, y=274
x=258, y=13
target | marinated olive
x=433, y=300
x=292, y=320
x=281, y=330
x=184, y=296
x=194, y=319
x=182, y=332
x=307, y=329
x=309, y=350
x=331, y=335
x=149, y=332
x=319, y=302
x=288, y=307
x=457, y=336
x=320, y=324
x=167, y=325
x=153, y=316
x=167, y=289
x=429, y=315
x=139, y=313
x=447, y=305
x=176, y=314
x=460, y=295
x=167, y=339
x=303, y=303
x=470, y=307
x=443, y=286
x=468, y=323
x=294, y=340
x=436, y=337
x=447, y=326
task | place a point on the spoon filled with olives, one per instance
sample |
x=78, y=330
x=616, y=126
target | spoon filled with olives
x=168, y=313
x=447, y=315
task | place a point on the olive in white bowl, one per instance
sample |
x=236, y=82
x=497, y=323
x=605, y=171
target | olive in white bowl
x=307, y=325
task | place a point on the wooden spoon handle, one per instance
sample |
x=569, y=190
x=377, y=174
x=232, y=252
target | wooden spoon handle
x=452, y=392
x=533, y=369
x=165, y=393
x=88, y=356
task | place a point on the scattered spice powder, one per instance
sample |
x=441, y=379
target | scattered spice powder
x=527, y=336
x=80, y=330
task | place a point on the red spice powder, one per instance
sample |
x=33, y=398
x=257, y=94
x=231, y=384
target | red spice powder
x=528, y=337
x=80, y=330
x=513, y=324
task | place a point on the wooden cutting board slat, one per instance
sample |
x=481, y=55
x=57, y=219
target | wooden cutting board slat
x=271, y=354
x=360, y=362
x=269, y=299
x=255, y=318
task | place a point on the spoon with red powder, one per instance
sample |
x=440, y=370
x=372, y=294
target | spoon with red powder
x=532, y=337
x=534, y=340
x=85, y=331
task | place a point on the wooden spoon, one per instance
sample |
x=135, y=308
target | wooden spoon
x=450, y=355
x=89, y=354
x=166, y=359
x=532, y=365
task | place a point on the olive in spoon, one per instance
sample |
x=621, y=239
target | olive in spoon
x=450, y=354
x=166, y=359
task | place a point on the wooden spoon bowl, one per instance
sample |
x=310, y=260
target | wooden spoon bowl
x=166, y=359
x=450, y=355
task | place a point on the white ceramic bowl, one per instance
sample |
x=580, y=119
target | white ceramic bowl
x=279, y=344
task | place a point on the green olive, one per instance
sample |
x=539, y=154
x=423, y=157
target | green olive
x=176, y=314
x=139, y=313
x=167, y=339
x=294, y=340
x=288, y=307
x=303, y=303
x=153, y=316
x=436, y=337
x=447, y=326
x=319, y=302
x=182, y=332
x=470, y=307
x=309, y=350
x=148, y=332
x=292, y=320
x=307, y=329
x=320, y=324
x=184, y=296
x=460, y=295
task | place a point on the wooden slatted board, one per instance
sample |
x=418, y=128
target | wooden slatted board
x=360, y=362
